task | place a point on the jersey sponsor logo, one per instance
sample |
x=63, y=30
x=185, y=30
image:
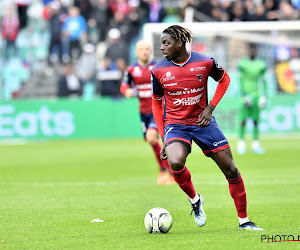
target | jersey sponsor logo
x=187, y=100
x=216, y=143
x=144, y=86
x=170, y=84
x=144, y=93
x=197, y=90
x=199, y=77
x=179, y=92
x=168, y=77
x=198, y=68
x=186, y=91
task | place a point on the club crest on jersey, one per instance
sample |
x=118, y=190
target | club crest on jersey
x=199, y=77
x=137, y=71
x=168, y=77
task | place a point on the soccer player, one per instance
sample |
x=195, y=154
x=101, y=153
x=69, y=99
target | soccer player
x=137, y=79
x=252, y=70
x=181, y=78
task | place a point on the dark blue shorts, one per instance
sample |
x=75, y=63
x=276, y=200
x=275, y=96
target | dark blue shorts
x=210, y=139
x=147, y=122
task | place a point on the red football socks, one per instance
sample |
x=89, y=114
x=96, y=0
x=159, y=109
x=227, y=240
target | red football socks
x=166, y=165
x=238, y=193
x=183, y=178
x=163, y=165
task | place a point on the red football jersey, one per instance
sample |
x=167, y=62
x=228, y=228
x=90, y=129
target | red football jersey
x=138, y=77
x=184, y=86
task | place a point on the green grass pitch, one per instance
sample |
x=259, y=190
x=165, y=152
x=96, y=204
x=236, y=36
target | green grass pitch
x=51, y=191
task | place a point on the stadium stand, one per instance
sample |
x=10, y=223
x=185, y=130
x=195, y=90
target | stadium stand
x=31, y=74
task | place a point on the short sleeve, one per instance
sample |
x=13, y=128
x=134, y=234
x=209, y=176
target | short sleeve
x=157, y=90
x=217, y=71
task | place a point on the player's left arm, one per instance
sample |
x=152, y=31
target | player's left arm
x=157, y=104
x=220, y=75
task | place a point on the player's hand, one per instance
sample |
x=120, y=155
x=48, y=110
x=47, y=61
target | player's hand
x=162, y=153
x=247, y=100
x=129, y=93
x=262, y=102
x=205, y=116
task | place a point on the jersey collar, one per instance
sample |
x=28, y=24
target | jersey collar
x=145, y=66
x=183, y=63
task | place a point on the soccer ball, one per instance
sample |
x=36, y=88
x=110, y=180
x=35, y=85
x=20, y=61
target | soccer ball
x=158, y=220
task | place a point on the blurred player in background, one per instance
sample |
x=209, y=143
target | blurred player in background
x=136, y=81
x=181, y=78
x=251, y=72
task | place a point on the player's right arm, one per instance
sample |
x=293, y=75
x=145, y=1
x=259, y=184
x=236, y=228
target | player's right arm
x=157, y=104
x=125, y=88
x=158, y=110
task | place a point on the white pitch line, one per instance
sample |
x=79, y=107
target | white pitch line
x=12, y=142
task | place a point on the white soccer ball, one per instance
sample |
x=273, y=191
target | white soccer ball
x=158, y=220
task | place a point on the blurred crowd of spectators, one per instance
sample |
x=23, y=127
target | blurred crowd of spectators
x=247, y=10
x=90, y=38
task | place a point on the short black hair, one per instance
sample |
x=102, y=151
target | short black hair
x=179, y=33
